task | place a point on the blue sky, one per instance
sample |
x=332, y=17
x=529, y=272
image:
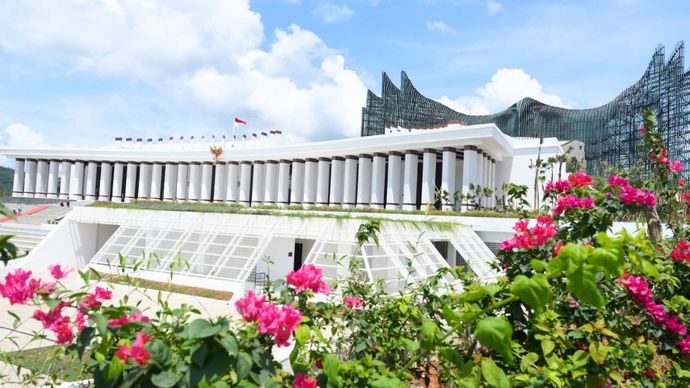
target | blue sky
x=80, y=72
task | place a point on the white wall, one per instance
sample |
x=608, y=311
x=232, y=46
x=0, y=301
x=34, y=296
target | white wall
x=281, y=252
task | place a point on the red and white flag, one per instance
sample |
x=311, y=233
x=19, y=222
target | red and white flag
x=240, y=121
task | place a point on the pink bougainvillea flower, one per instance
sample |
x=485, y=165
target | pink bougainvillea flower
x=681, y=251
x=580, y=179
x=279, y=322
x=137, y=316
x=19, y=287
x=641, y=197
x=309, y=277
x=57, y=272
x=250, y=306
x=353, y=302
x=574, y=304
x=674, y=324
x=557, y=248
x=684, y=345
x=615, y=180
x=526, y=237
x=304, y=381
x=676, y=166
x=681, y=181
x=65, y=333
x=643, y=130
x=137, y=351
x=686, y=198
x=558, y=186
x=96, y=298
x=571, y=201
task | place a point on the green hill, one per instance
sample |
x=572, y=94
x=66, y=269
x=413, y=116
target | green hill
x=6, y=179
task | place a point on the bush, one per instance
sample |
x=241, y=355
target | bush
x=578, y=307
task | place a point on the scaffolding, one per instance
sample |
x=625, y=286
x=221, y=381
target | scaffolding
x=610, y=132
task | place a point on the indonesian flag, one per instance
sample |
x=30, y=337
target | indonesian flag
x=240, y=121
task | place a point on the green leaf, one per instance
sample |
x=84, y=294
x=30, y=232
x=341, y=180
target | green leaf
x=649, y=269
x=582, y=284
x=302, y=334
x=538, y=265
x=412, y=346
x=101, y=323
x=387, y=382
x=429, y=330
x=229, y=343
x=202, y=328
x=331, y=367
x=547, y=347
x=534, y=291
x=243, y=365
x=164, y=379
x=114, y=369
x=598, y=351
x=493, y=375
x=527, y=362
x=160, y=352
x=496, y=333
x=199, y=354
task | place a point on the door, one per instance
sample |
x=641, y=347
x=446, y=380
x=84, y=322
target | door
x=297, y=263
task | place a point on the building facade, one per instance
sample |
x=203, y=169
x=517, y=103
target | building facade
x=610, y=132
x=400, y=170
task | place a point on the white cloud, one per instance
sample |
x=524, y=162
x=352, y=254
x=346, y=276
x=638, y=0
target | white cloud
x=493, y=7
x=205, y=56
x=19, y=136
x=505, y=88
x=331, y=13
x=439, y=26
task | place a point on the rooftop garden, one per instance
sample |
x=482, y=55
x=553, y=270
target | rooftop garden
x=578, y=306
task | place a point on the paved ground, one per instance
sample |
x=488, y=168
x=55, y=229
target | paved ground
x=51, y=213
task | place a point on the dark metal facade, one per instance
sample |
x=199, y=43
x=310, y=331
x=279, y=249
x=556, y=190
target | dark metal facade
x=610, y=132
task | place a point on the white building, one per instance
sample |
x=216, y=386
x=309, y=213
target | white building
x=400, y=170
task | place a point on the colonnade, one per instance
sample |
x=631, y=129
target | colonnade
x=393, y=180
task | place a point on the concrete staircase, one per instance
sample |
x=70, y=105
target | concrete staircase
x=26, y=236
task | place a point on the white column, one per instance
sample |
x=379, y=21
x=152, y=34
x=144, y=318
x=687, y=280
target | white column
x=170, y=183
x=283, y=189
x=469, y=170
x=206, y=181
x=364, y=181
x=258, y=182
x=245, y=182
x=310, y=181
x=144, y=187
x=448, y=177
x=220, y=182
x=485, y=176
x=182, y=178
x=90, y=185
x=271, y=186
x=394, y=186
x=458, y=178
x=410, y=180
x=233, y=187
x=104, y=182
x=323, y=179
x=428, y=176
x=337, y=177
x=492, y=181
x=76, y=187
x=156, y=180
x=65, y=179
x=41, y=178
x=350, y=182
x=53, y=177
x=131, y=182
x=378, y=181
x=30, y=178
x=118, y=171
x=18, y=183
x=194, y=192
x=297, y=184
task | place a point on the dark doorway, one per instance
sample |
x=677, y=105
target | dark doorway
x=297, y=263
